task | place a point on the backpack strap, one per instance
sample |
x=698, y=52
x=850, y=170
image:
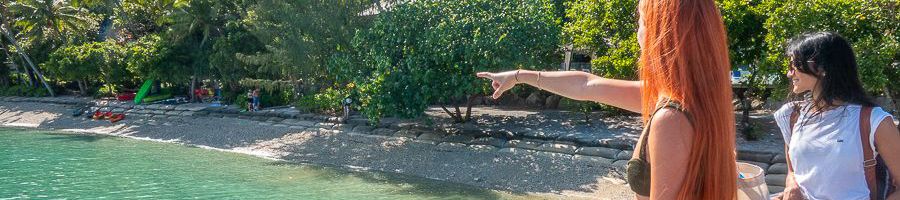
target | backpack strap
x=869, y=161
x=795, y=196
x=794, y=117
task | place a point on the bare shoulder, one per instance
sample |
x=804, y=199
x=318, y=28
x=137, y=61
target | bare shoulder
x=887, y=125
x=887, y=133
x=672, y=122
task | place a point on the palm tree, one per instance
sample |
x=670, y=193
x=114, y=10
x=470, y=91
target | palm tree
x=54, y=20
x=9, y=38
x=197, y=18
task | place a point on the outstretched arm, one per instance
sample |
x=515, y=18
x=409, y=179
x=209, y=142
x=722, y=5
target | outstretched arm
x=572, y=84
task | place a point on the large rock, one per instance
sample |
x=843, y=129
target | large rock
x=762, y=157
x=775, y=179
x=558, y=148
x=470, y=129
x=525, y=144
x=407, y=133
x=358, y=121
x=535, y=99
x=360, y=129
x=459, y=138
x=541, y=135
x=497, y=142
x=383, y=131
x=598, y=160
x=620, y=165
x=305, y=123
x=431, y=136
x=275, y=119
x=778, y=168
x=609, y=153
x=779, y=158
x=624, y=155
x=552, y=102
x=511, y=99
x=622, y=144
x=775, y=189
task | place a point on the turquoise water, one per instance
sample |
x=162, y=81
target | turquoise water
x=44, y=165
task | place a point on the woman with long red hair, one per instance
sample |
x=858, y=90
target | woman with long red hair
x=684, y=95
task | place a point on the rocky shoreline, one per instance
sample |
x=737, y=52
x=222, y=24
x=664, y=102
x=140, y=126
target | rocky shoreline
x=503, y=153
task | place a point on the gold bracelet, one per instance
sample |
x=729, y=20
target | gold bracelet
x=539, y=80
x=517, y=75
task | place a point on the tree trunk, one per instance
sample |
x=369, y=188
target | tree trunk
x=469, y=104
x=193, y=84
x=81, y=88
x=31, y=79
x=459, y=118
x=449, y=113
x=34, y=69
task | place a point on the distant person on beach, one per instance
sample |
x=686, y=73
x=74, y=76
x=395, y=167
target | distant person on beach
x=833, y=131
x=687, y=149
x=250, y=100
x=256, y=99
x=217, y=90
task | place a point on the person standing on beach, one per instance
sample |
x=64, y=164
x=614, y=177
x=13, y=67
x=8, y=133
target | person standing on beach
x=250, y=100
x=836, y=138
x=256, y=99
x=687, y=149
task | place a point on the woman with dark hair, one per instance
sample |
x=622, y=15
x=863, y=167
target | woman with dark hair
x=684, y=94
x=835, y=136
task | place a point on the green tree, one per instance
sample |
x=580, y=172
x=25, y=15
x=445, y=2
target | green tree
x=301, y=36
x=744, y=22
x=50, y=20
x=425, y=52
x=90, y=62
x=870, y=26
x=196, y=26
x=138, y=18
x=224, y=60
x=42, y=26
x=607, y=28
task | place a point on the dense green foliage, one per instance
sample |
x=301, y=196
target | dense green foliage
x=871, y=26
x=427, y=52
x=90, y=62
x=394, y=58
x=609, y=29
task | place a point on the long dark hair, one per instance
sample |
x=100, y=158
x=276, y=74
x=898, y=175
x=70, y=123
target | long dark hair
x=829, y=57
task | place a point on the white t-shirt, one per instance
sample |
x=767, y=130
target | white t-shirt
x=826, y=152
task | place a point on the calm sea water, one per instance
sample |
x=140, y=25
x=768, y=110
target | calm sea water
x=46, y=165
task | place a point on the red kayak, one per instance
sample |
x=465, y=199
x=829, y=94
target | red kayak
x=117, y=117
x=97, y=115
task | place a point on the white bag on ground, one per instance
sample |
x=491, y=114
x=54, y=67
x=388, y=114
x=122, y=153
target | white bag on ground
x=753, y=185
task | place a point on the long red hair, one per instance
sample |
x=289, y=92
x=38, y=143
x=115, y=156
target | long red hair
x=685, y=57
